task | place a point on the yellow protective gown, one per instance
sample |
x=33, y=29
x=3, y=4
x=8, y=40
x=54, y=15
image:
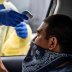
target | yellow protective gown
x=10, y=43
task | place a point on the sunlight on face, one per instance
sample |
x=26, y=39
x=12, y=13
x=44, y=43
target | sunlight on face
x=40, y=39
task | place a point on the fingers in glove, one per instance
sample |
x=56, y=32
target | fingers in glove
x=15, y=18
x=18, y=15
x=20, y=29
x=22, y=34
x=13, y=23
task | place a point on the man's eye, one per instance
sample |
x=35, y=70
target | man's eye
x=38, y=31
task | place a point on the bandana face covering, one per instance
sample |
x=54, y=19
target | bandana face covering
x=38, y=58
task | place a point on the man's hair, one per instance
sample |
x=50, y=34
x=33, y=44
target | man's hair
x=60, y=26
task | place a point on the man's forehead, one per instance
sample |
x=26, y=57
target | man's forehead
x=43, y=25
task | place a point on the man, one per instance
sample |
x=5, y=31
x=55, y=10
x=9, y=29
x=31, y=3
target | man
x=51, y=49
x=14, y=39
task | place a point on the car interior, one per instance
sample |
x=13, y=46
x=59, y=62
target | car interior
x=40, y=9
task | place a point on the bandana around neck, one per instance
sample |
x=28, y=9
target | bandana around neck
x=39, y=58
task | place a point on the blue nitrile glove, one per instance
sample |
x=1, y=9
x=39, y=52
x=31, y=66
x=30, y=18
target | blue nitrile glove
x=10, y=17
x=2, y=6
x=21, y=30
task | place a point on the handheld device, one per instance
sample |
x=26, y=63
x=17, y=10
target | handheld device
x=28, y=14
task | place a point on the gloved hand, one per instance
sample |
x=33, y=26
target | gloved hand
x=21, y=30
x=11, y=18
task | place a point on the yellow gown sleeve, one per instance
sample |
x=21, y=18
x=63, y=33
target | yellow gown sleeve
x=15, y=45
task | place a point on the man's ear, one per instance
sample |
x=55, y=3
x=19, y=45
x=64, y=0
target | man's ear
x=52, y=43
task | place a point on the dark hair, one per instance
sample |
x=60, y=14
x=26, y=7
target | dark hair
x=60, y=26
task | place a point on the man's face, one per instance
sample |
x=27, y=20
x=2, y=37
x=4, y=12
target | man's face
x=50, y=43
x=40, y=40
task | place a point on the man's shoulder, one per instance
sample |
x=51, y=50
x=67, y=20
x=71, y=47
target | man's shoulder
x=68, y=67
x=65, y=68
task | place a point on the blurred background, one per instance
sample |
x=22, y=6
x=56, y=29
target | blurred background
x=38, y=8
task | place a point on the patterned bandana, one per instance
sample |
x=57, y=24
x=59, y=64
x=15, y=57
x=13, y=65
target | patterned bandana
x=38, y=58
